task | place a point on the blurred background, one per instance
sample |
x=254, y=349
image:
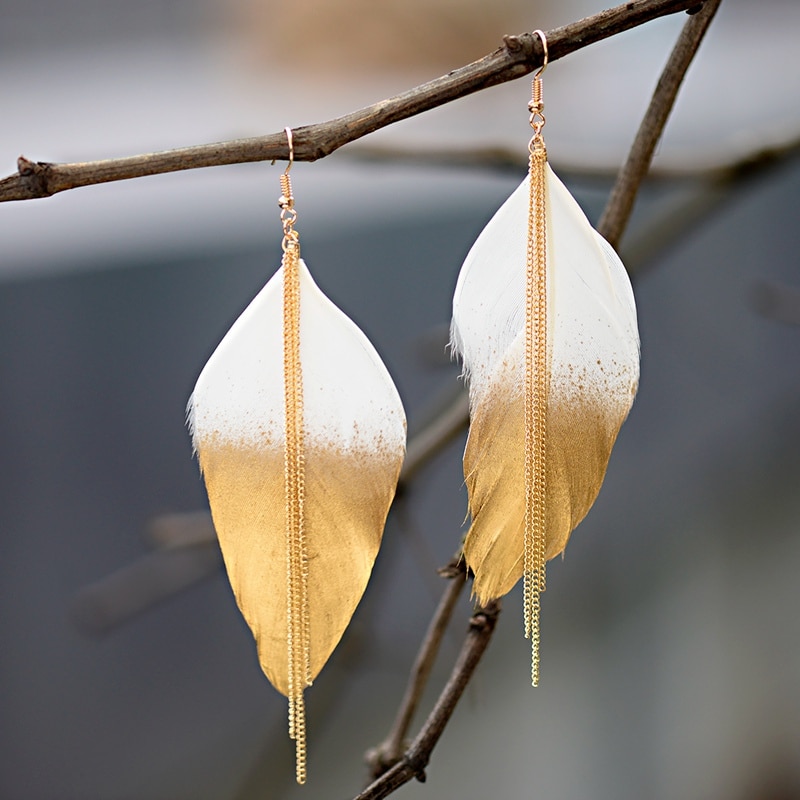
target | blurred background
x=671, y=628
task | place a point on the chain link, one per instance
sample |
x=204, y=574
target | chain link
x=536, y=384
x=297, y=615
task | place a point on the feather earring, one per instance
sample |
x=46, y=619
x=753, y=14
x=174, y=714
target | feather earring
x=545, y=322
x=300, y=434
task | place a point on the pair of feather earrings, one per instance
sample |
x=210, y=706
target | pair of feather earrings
x=300, y=431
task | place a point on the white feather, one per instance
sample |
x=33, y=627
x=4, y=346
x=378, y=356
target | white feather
x=592, y=310
x=593, y=366
x=353, y=446
x=350, y=398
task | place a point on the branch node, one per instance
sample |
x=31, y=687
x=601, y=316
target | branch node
x=525, y=47
x=456, y=568
x=35, y=174
x=485, y=618
x=513, y=43
x=25, y=166
x=416, y=762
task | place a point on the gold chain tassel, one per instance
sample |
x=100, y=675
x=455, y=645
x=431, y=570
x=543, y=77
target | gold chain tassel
x=536, y=385
x=297, y=616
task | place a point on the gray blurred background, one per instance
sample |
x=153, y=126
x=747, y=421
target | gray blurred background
x=671, y=632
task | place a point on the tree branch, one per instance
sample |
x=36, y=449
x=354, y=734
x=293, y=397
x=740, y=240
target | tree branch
x=499, y=158
x=518, y=56
x=414, y=762
x=435, y=436
x=390, y=752
x=718, y=186
x=620, y=204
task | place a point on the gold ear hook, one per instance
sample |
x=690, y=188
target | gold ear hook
x=536, y=105
x=291, y=143
x=541, y=35
x=286, y=200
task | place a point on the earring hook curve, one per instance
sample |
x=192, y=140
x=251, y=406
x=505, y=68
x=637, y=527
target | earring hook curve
x=541, y=69
x=290, y=140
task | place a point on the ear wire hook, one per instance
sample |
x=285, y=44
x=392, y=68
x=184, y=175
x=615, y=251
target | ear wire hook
x=290, y=140
x=286, y=201
x=541, y=69
x=536, y=105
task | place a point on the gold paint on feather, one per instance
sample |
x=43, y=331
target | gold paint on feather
x=348, y=494
x=582, y=429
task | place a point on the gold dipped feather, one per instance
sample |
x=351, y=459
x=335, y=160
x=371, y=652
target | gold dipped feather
x=300, y=435
x=545, y=322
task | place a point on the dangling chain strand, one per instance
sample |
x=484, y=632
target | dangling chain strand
x=297, y=618
x=536, y=378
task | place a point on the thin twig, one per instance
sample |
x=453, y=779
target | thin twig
x=499, y=158
x=620, y=204
x=413, y=763
x=390, y=752
x=716, y=188
x=518, y=56
x=100, y=607
x=776, y=301
x=435, y=436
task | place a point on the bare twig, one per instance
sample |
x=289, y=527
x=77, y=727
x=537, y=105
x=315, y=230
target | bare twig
x=390, y=752
x=496, y=158
x=618, y=209
x=435, y=436
x=119, y=597
x=416, y=758
x=518, y=56
x=717, y=187
x=776, y=301
x=500, y=158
